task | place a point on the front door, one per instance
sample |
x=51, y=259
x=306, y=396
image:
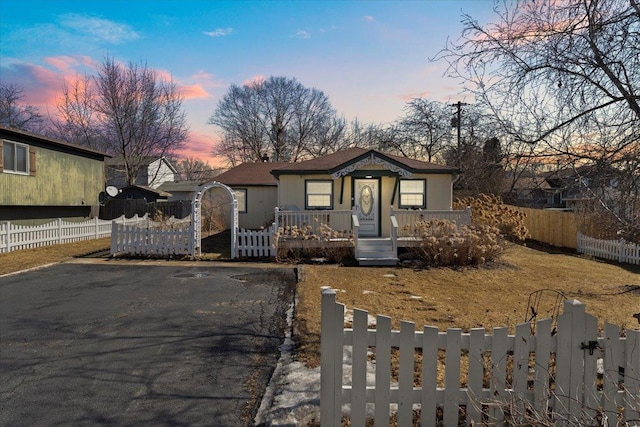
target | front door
x=367, y=205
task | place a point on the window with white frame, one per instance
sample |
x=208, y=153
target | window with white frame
x=241, y=197
x=15, y=157
x=319, y=194
x=413, y=193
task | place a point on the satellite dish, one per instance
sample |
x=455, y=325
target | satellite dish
x=112, y=191
x=103, y=198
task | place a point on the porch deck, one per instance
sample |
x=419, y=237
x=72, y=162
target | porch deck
x=341, y=228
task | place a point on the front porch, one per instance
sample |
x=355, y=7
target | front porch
x=342, y=228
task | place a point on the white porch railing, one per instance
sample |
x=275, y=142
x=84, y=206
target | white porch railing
x=407, y=218
x=337, y=220
x=570, y=377
x=15, y=237
x=615, y=250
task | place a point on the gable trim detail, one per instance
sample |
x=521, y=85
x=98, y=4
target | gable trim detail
x=371, y=159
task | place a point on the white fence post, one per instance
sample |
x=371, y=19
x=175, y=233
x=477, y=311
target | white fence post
x=59, y=221
x=576, y=348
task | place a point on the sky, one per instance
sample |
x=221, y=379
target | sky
x=369, y=57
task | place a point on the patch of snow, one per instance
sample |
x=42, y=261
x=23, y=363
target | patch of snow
x=415, y=297
x=366, y=292
x=292, y=397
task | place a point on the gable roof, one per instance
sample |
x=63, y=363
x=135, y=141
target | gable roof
x=334, y=162
x=50, y=143
x=257, y=174
x=118, y=161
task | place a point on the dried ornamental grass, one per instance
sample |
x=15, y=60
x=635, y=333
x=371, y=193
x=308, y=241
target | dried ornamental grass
x=489, y=210
x=442, y=243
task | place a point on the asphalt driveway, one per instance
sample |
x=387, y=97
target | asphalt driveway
x=139, y=343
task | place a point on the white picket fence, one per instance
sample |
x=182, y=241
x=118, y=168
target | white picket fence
x=616, y=250
x=152, y=238
x=15, y=237
x=569, y=376
x=256, y=243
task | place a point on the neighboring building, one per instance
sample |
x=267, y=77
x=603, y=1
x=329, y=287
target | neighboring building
x=153, y=173
x=43, y=178
x=256, y=190
x=181, y=190
x=143, y=192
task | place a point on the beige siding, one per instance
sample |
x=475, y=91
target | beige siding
x=291, y=193
x=261, y=202
x=60, y=180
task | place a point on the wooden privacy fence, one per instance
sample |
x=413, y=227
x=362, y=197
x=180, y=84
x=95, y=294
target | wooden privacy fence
x=16, y=237
x=616, y=250
x=151, y=238
x=256, y=243
x=556, y=228
x=565, y=374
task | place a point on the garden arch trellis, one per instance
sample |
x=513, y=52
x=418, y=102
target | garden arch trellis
x=195, y=245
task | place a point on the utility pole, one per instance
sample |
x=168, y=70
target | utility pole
x=456, y=122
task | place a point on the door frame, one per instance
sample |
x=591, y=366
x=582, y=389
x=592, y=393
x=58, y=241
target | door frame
x=378, y=180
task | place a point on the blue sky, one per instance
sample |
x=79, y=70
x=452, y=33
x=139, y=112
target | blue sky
x=368, y=57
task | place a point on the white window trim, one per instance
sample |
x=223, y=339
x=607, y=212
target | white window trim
x=423, y=193
x=307, y=194
x=246, y=202
x=13, y=171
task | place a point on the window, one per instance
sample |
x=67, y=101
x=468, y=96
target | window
x=241, y=196
x=319, y=194
x=412, y=193
x=15, y=157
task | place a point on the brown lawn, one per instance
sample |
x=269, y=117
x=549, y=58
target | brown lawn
x=490, y=296
x=30, y=258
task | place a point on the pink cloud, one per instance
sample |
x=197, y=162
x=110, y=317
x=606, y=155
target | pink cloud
x=410, y=96
x=193, y=91
x=199, y=146
x=254, y=81
x=41, y=86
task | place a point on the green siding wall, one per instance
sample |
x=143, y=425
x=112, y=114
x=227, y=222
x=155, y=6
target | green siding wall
x=61, y=180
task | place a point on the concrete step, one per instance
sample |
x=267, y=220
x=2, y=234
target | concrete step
x=377, y=261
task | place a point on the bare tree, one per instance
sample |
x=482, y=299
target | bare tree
x=15, y=114
x=192, y=169
x=77, y=119
x=426, y=129
x=569, y=71
x=278, y=117
x=130, y=110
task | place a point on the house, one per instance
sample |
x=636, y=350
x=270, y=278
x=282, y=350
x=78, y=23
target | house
x=569, y=188
x=531, y=191
x=369, y=181
x=153, y=172
x=179, y=190
x=43, y=178
x=256, y=190
x=142, y=192
x=366, y=196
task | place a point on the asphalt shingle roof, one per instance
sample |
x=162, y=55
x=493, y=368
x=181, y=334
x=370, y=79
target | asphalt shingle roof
x=250, y=174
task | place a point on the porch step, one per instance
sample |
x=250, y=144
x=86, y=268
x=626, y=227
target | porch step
x=378, y=251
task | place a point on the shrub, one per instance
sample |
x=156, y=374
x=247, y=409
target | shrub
x=441, y=243
x=489, y=210
x=305, y=243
